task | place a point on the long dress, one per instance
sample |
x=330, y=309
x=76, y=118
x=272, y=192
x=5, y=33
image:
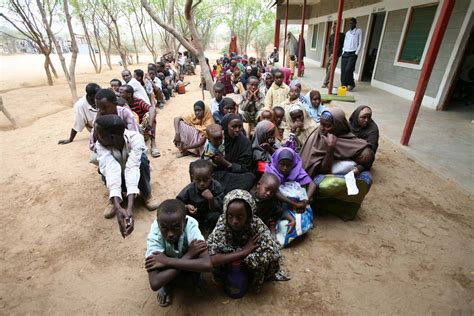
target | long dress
x=238, y=152
x=192, y=130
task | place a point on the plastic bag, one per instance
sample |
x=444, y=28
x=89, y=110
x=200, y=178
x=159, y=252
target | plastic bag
x=304, y=221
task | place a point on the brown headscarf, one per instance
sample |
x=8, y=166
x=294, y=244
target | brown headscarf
x=347, y=146
x=200, y=124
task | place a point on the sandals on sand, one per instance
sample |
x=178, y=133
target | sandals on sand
x=164, y=297
x=155, y=153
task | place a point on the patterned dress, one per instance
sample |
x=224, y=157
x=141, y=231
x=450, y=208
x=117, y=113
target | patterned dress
x=265, y=261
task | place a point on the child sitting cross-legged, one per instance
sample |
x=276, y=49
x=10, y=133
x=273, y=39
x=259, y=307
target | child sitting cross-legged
x=203, y=196
x=241, y=247
x=269, y=208
x=176, y=251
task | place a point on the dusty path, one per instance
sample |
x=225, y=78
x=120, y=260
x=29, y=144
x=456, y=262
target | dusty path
x=409, y=252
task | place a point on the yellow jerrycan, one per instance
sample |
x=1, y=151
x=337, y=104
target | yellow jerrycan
x=341, y=91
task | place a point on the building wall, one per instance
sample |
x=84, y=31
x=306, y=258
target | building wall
x=315, y=54
x=407, y=78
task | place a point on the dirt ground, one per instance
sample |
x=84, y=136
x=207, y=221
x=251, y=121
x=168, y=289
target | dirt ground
x=410, y=251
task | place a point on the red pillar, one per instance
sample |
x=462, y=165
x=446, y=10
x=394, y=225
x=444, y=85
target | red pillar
x=286, y=30
x=277, y=33
x=300, y=49
x=430, y=59
x=336, y=44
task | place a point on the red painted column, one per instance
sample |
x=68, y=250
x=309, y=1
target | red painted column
x=277, y=33
x=336, y=44
x=286, y=31
x=430, y=59
x=300, y=49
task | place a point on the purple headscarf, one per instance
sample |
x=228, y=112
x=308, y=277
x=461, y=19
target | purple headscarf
x=297, y=174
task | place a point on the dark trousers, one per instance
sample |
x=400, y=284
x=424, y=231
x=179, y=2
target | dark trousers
x=144, y=184
x=348, y=63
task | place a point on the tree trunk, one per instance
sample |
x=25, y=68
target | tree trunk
x=70, y=80
x=89, y=44
x=133, y=40
x=194, y=47
x=46, y=69
x=75, y=51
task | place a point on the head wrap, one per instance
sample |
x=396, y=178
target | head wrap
x=199, y=124
x=297, y=173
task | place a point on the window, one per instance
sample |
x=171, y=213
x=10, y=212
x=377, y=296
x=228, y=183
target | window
x=416, y=34
x=314, y=36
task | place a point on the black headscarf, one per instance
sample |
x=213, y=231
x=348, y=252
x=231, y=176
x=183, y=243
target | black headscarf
x=237, y=150
x=370, y=133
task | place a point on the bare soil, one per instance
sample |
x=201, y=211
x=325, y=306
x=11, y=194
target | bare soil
x=410, y=251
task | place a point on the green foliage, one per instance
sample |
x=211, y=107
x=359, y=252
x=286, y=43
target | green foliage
x=246, y=17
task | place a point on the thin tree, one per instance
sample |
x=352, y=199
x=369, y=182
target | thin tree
x=148, y=38
x=31, y=27
x=79, y=8
x=194, y=45
x=114, y=32
x=70, y=73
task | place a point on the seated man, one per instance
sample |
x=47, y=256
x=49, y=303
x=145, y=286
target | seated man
x=146, y=116
x=124, y=168
x=138, y=88
x=85, y=111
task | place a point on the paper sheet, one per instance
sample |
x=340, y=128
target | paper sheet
x=351, y=184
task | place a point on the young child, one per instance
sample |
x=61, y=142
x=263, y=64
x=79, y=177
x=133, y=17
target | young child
x=313, y=105
x=286, y=165
x=226, y=106
x=214, y=71
x=264, y=144
x=175, y=248
x=215, y=142
x=241, y=247
x=266, y=115
x=292, y=66
x=122, y=160
x=269, y=209
x=278, y=91
x=279, y=120
x=219, y=94
x=203, y=196
x=252, y=103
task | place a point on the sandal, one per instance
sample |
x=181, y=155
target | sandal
x=155, y=153
x=164, y=297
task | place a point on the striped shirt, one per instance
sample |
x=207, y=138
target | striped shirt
x=140, y=107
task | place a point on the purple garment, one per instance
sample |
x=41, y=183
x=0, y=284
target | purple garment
x=297, y=174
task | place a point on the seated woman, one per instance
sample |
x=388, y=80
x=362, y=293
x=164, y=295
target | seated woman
x=331, y=142
x=298, y=126
x=233, y=168
x=364, y=127
x=190, y=130
x=264, y=144
x=241, y=247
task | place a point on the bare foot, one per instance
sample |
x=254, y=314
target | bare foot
x=164, y=297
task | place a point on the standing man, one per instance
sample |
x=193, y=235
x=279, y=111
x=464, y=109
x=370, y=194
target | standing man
x=330, y=50
x=350, y=51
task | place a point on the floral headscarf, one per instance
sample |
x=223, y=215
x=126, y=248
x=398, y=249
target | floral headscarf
x=264, y=261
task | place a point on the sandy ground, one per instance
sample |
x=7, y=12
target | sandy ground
x=409, y=251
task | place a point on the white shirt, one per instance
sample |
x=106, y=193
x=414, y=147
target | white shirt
x=113, y=163
x=352, y=41
x=84, y=115
x=139, y=90
x=214, y=105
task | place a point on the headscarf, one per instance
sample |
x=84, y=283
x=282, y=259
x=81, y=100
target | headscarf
x=264, y=261
x=315, y=147
x=237, y=149
x=308, y=127
x=225, y=102
x=259, y=137
x=263, y=87
x=297, y=174
x=370, y=133
x=200, y=124
x=295, y=83
x=315, y=113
